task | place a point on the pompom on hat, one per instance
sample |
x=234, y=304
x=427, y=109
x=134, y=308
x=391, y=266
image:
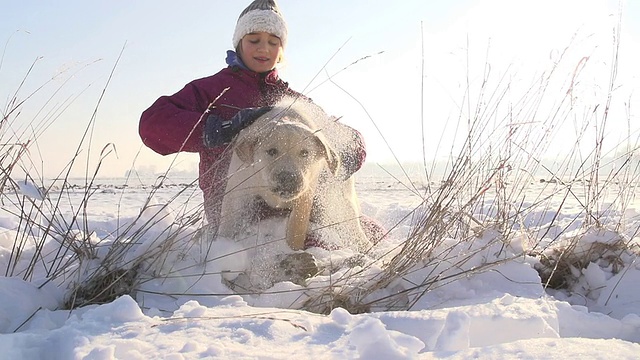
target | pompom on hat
x=261, y=16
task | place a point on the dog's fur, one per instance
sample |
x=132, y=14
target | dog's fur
x=286, y=158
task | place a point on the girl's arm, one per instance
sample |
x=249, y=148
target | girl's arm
x=172, y=124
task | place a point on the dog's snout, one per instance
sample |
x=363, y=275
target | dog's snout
x=289, y=182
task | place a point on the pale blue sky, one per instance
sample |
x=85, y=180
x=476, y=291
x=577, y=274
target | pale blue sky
x=169, y=43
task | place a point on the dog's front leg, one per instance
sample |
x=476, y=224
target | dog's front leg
x=298, y=222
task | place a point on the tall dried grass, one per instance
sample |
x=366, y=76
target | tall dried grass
x=483, y=191
x=494, y=167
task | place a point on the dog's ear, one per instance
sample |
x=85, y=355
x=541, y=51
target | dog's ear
x=245, y=148
x=333, y=160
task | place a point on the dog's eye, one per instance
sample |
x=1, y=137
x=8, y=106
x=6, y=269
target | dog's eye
x=272, y=152
x=304, y=153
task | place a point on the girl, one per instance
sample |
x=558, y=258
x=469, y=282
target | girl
x=242, y=92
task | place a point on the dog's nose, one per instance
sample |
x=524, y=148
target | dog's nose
x=289, y=182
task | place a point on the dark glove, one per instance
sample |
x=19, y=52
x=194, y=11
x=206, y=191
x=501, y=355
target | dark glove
x=352, y=156
x=220, y=132
x=351, y=161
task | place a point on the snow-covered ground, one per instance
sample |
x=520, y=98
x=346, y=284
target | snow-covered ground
x=182, y=310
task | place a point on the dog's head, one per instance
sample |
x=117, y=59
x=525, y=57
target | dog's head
x=289, y=153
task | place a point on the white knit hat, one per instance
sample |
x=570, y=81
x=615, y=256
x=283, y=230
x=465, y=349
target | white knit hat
x=261, y=15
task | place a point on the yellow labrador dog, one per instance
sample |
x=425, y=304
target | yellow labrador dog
x=288, y=159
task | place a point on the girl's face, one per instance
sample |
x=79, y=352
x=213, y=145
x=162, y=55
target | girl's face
x=260, y=51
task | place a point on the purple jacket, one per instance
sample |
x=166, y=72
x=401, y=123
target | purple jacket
x=172, y=123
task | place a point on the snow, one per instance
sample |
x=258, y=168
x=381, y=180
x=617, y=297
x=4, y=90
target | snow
x=491, y=305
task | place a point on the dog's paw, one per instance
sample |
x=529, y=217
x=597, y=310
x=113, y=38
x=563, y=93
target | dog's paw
x=296, y=267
